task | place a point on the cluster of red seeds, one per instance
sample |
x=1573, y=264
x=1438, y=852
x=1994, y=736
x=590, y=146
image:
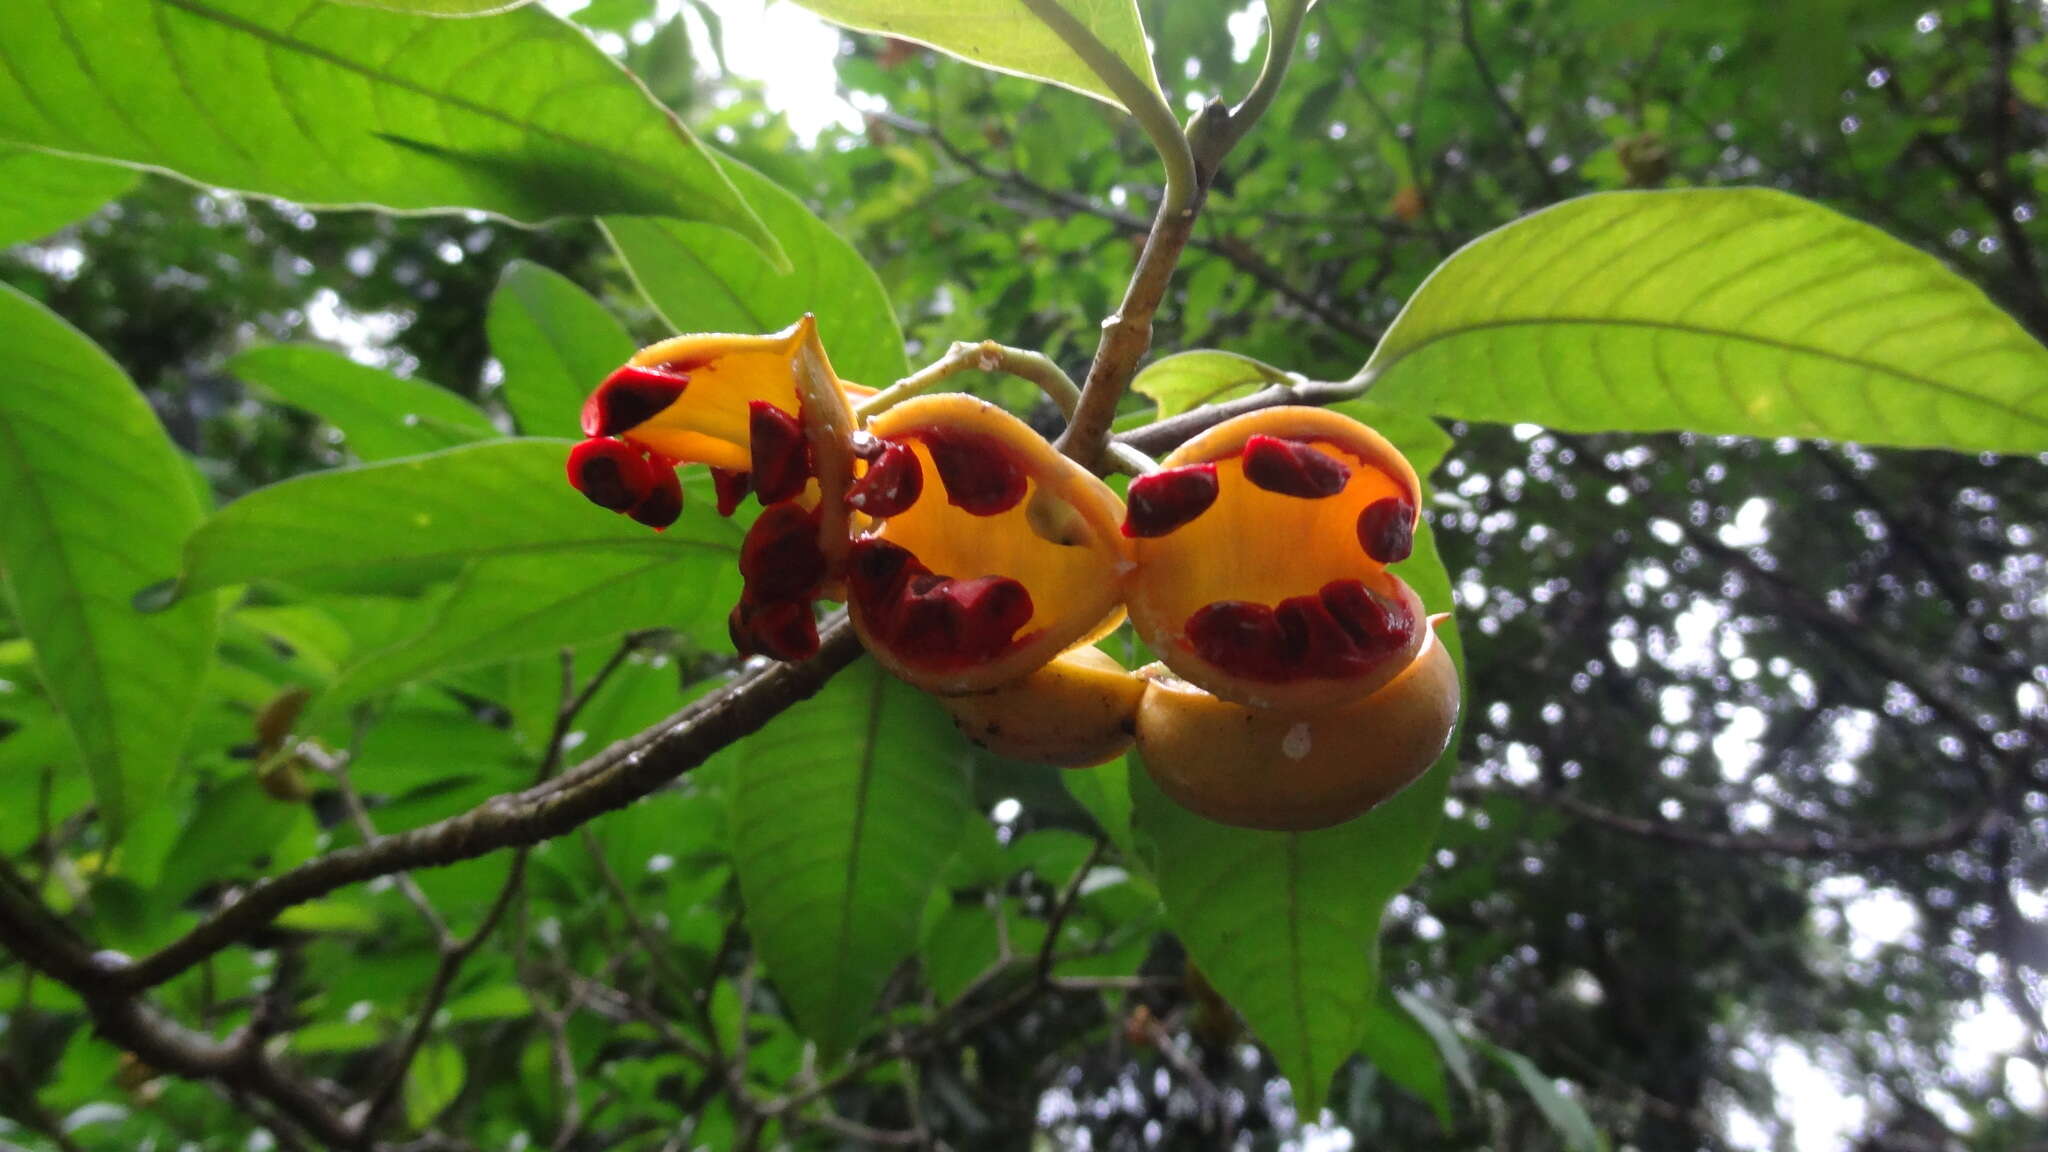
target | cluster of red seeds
x=937, y=620
x=781, y=560
x=945, y=622
x=1340, y=631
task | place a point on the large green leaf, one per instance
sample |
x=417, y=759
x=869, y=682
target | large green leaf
x=498, y=498
x=703, y=280
x=521, y=115
x=1187, y=380
x=844, y=811
x=1741, y=311
x=509, y=606
x=96, y=501
x=1286, y=925
x=440, y=7
x=45, y=192
x=556, y=343
x=380, y=416
x=1005, y=36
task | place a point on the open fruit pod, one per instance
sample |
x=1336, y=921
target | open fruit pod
x=1291, y=771
x=1079, y=710
x=986, y=554
x=1262, y=548
x=770, y=418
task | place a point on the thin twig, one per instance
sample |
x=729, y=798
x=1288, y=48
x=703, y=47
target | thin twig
x=985, y=356
x=1513, y=119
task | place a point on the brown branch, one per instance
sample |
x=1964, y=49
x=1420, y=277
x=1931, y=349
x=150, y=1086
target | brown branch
x=1127, y=332
x=612, y=779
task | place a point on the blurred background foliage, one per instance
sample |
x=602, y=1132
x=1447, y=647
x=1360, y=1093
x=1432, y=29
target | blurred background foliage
x=1748, y=848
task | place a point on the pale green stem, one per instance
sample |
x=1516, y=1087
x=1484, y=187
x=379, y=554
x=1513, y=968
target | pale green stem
x=1144, y=101
x=986, y=356
x=1128, y=459
x=1280, y=39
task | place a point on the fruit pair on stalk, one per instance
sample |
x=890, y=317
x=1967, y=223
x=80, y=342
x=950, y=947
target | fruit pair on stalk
x=1298, y=681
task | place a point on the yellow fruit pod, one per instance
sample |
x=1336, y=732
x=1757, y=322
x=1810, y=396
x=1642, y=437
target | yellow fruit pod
x=985, y=554
x=765, y=412
x=1262, y=548
x=1291, y=771
x=771, y=418
x=1079, y=710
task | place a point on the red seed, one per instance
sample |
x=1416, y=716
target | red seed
x=610, y=474
x=1386, y=530
x=732, y=488
x=893, y=482
x=1374, y=624
x=1169, y=498
x=778, y=629
x=780, y=557
x=978, y=471
x=781, y=455
x=994, y=608
x=876, y=574
x=1241, y=638
x=629, y=397
x=1316, y=644
x=1293, y=468
x=664, y=500
x=945, y=623
x=927, y=624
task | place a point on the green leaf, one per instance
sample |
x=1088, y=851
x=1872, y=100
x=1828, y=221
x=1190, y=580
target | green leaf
x=963, y=943
x=613, y=15
x=492, y=1002
x=508, y=606
x=1187, y=380
x=97, y=500
x=702, y=280
x=233, y=825
x=1449, y=1044
x=556, y=343
x=1286, y=925
x=433, y=1082
x=498, y=498
x=1742, y=311
x=323, y=104
x=1104, y=791
x=446, y=8
x=1566, y=1116
x=1004, y=35
x=844, y=811
x=1404, y=1053
x=380, y=416
x=45, y=192
x=38, y=746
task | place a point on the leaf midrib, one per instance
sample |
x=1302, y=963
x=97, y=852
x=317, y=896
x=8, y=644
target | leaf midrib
x=1294, y=987
x=1469, y=328
x=843, y=930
